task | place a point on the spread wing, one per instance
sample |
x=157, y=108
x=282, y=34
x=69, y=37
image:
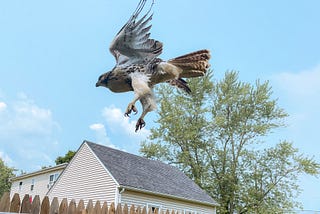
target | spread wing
x=132, y=43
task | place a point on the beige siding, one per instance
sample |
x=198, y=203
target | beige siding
x=85, y=178
x=141, y=199
x=41, y=184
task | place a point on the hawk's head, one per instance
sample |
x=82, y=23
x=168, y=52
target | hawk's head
x=115, y=80
x=103, y=80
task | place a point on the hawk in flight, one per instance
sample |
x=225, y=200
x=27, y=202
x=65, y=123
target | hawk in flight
x=138, y=67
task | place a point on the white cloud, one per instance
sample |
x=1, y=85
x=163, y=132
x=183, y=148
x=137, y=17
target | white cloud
x=101, y=134
x=303, y=84
x=24, y=117
x=117, y=121
x=27, y=133
x=120, y=129
x=97, y=126
x=3, y=106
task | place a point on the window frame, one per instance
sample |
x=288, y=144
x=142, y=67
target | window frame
x=20, y=185
x=32, y=185
x=54, y=177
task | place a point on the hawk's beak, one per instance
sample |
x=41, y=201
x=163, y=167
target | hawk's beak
x=98, y=84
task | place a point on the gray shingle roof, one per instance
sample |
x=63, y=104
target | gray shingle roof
x=138, y=172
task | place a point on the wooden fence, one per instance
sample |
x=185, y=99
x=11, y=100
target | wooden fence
x=56, y=207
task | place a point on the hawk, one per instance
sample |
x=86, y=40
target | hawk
x=139, y=69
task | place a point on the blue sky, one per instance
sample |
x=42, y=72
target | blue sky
x=52, y=53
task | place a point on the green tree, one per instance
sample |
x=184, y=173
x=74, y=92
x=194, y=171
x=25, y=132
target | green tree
x=66, y=158
x=212, y=135
x=5, y=174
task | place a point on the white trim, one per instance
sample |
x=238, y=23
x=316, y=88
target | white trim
x=117, y=197
x=40, y=172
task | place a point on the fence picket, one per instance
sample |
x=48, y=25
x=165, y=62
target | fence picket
x=15, y=203
x=35, y=206
x=54, y=208
x=90, y=207
x=138, y=210
x=25, y=205
x=72, y=207
x=144, y=210
x=63, y=208
x=112, y=209
x=132, y=209
x=80, y=207
x=45, y=206
x=156, y=211
x=97, y=208
x=125, y=209
x=5, y=202
x=104, y=209
x=119, y=209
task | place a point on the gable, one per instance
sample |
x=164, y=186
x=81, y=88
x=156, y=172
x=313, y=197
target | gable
x=85, y=178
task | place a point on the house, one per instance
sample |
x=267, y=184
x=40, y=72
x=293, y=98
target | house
x=36, y=183
x=101, y=173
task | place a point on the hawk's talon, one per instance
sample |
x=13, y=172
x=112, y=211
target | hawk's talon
x=130, y=108
x=140, y=124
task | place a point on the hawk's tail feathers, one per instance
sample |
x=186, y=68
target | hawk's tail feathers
x=181, y=84
x=193, y=64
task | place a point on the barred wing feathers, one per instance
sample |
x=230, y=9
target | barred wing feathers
x=132, y=43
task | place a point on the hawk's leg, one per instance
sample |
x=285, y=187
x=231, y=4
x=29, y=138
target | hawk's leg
x=140, y=124
x=148, y=104
x=131, y=108
x=142, y=92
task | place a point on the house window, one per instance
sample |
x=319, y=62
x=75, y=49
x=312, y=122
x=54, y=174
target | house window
x=52, y=179
x=32, y=185
x=20, y=185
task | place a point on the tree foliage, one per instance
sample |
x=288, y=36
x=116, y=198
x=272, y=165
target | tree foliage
x=213, y=135
x=66, y=158
x=6, y=173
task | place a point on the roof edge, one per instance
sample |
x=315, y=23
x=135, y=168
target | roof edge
x=45, y=170
x=214, y=204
